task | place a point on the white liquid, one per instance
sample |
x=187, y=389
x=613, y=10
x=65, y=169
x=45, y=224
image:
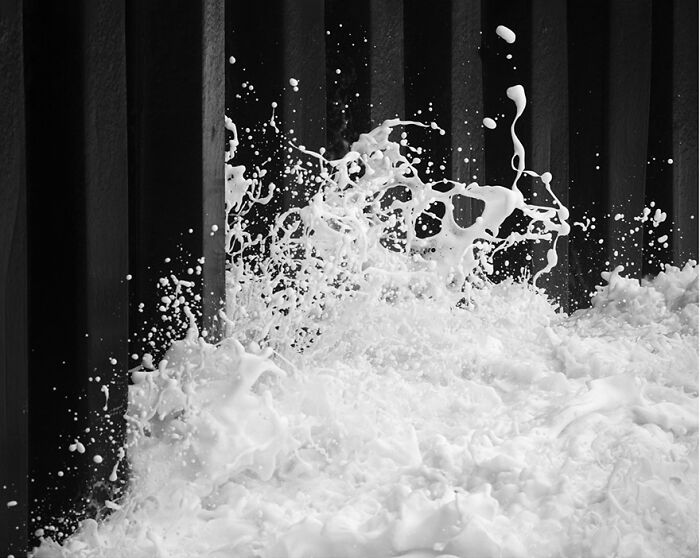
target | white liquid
x=506, y=34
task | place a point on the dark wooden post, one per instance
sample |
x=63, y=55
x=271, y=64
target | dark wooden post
x=176, y=143
x=304, y=60
x=386, y=60
x=427, y=80
x=77, y=199
x=685, y=130
x=629, y=81
x=549, y=106
x=106, y=248
x=659, y=174
x=213, y=100
x=13, y=286
x=588, y=59
x=347, y=73
x=468, y=161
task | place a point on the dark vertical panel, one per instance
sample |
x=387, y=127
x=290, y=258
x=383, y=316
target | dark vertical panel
x=304, y=55
x=386, y=60
x=261, y=67
x=347, y=92
x=105, y=257
x=659, y=174
x=176, y=95
x=213, y=98
x=549, y=106
x=588, y=56
x=13, y=285
x=56, y=225
x=77, y=181
x=428, y=74
x=629, y=77
x=685, y=130
x=468, y=158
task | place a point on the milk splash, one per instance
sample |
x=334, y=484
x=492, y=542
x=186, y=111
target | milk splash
x=360, y=235
x=378, y=397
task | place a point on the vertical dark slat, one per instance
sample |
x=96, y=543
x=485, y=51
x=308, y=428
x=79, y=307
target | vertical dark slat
x=304, y=59
x=685, y=130
x=659, y=174
x=13, y=286
x=213, y=99
x=176, y=106
x=386, y=60
x=468, y=159
x=77, y=178
x=428, y=73
x=629, y=77
x=262, y=67
x=549, y=106
x=58, y=365
x=106, y=228
x=588, y=59
x=347, y=92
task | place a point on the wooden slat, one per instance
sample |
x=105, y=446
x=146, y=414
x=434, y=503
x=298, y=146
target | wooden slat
x=386, y=60
x=685, y=130
x=13, y=286
x=304, y=59
x=427, y=79
x=468, y=159
x=629, y=78
x=428, y=75
x=58, y=364
x=106, y=229
x=549, y=106
x=176, y=106
x=261, y=67
x=659, y=174
x=213, y=99
x=347, y=92
x=588, y=58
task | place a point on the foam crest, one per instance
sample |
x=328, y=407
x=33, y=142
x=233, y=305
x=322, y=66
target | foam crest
x=363, y=234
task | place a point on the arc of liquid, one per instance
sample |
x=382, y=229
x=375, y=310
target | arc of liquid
x=517, y=94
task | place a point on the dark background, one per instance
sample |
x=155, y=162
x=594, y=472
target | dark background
x=112, y=147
